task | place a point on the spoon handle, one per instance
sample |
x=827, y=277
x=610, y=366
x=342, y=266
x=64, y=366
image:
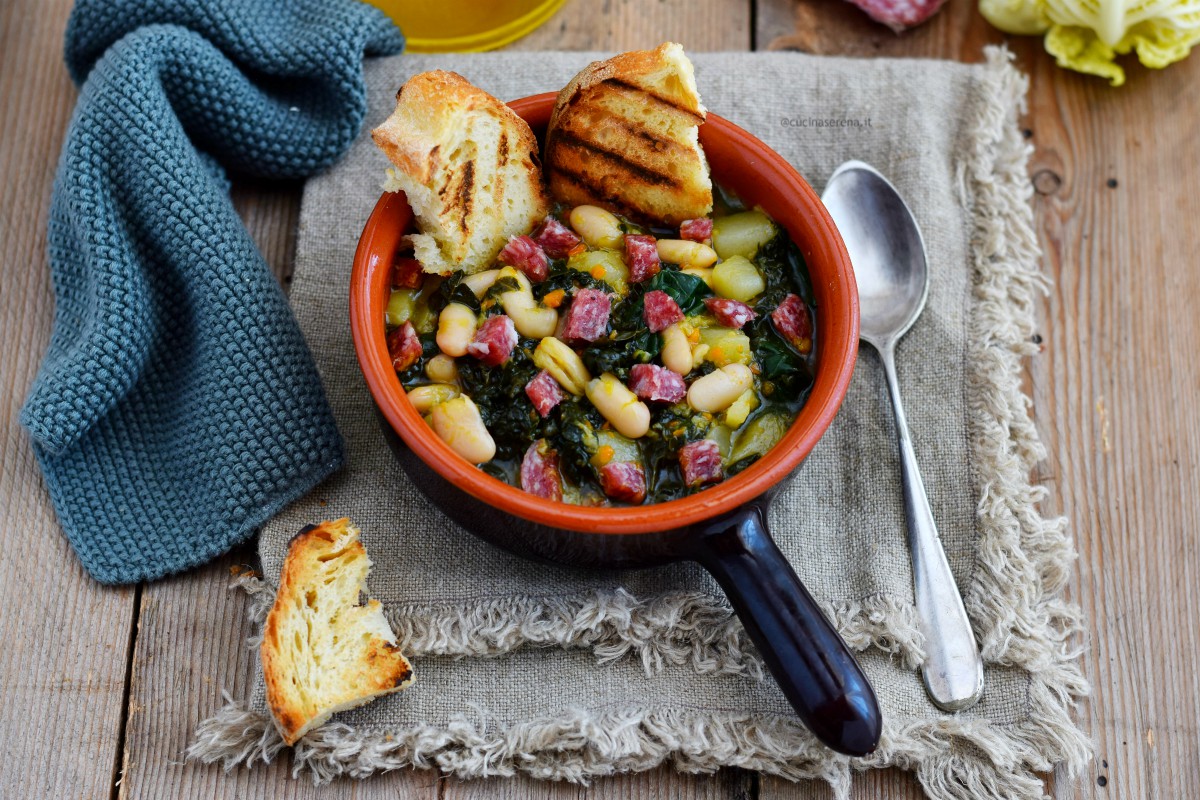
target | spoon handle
x=953, y=670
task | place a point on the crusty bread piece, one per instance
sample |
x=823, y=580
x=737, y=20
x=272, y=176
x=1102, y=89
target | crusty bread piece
x=468, y=166
x=322, y=652
x=625, y=135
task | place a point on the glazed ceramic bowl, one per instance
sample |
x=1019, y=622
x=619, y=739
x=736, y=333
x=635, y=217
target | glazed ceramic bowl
x=723, y=527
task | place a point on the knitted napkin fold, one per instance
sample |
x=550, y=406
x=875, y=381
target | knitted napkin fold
x=178, y=407
x=572, y=674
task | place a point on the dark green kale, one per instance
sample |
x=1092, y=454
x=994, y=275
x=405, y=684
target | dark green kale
x=688, y=291
x=499, y=392
x=505, y=284
x=782, y=266
x=621, y=351
x=415, y=374
x=671, y=429
x=788, y=370
x=453, y=290
x=562, y=277
x=574, y=438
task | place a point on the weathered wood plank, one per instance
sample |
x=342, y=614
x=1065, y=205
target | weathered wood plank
x=1116, y=392
x=66, y=638
x=664, y=783
x=698, y=25
x=1119, y=390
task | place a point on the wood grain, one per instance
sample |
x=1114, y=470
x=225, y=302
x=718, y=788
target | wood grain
x=66, y=639
x=637, y=24
x=665, y=783
x=1120, y=391
x=1116, y=390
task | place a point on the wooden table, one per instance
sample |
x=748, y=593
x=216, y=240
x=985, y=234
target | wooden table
x=102, y=686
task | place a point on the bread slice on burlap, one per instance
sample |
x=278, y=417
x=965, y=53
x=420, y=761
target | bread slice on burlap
x=323, y=652
x=624, y=135
x=469, y=167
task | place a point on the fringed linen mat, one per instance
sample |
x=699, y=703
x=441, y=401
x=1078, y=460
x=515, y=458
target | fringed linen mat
x=567, y=674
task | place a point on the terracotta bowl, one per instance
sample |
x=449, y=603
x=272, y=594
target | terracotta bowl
x=723, y=527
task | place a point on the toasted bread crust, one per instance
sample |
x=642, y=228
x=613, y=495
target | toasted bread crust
x=623, y=135
x=469, y=166
x=308, y=676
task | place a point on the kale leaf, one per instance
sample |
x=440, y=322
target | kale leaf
x=782, y=266
x=499, y=392
x=622, y=351
x=688, y=291
x=575, y=440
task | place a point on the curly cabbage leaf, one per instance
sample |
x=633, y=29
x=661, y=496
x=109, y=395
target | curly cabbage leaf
x=1087, y=35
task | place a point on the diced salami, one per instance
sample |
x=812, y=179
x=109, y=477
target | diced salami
x=899, y=14
x=730, y=313
x=544, y=392
x=652, y=382
x=404, y=347
x=407, y=273
x=700, y=462
x=528, y=256
x=641, y=253
x=793, y=322
x=696, y=230
x=556, y=239
x=494, y=341
x=624, y=481
x=587, y=318
x=660, y=310
x=539, y=472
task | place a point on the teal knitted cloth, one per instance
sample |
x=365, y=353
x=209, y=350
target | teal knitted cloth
x=178, y=407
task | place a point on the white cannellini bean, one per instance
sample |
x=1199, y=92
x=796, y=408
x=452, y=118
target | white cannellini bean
x=480, y=282
x=442, y=369
x=424, y=398
x=717, y=390
x=597, y=227
x=563, y=364
x=619, y=406
x=687, y=254
x=456, y=329
x=457, y=423
x=676, y=349
x=529, y=318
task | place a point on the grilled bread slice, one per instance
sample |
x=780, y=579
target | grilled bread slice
x=625, y=135
x=468, y=166
x=322, y=652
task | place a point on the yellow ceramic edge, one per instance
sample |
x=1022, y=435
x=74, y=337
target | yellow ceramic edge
x=489, y=40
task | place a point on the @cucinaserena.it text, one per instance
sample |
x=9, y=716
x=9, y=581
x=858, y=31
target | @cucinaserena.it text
x=858, y=123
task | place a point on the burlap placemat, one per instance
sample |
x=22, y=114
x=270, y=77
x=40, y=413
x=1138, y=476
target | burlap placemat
x=571, y=674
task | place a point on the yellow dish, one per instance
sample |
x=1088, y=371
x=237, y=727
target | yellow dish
x=442, y=26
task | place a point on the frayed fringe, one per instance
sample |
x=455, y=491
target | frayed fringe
x=579, y=746
x=677, y=628
x=1013, y=598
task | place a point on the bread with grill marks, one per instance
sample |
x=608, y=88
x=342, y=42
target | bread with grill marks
x=468, y=166
x=624, y=135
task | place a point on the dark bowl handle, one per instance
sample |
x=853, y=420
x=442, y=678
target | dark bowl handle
x=809, y=660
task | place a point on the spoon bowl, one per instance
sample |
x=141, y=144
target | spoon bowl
x=885, y=247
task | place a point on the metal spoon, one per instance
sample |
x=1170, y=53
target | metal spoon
x=888, y=256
